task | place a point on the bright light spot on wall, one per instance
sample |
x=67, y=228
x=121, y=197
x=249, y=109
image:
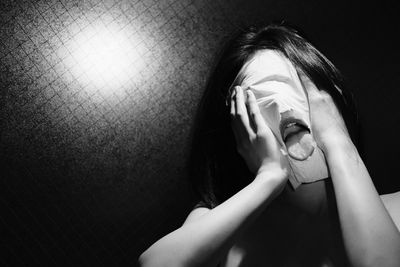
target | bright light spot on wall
x=104, y=57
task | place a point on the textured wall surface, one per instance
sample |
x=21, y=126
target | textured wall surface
x=93, y=148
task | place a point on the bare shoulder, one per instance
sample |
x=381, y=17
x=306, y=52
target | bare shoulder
x=196, y=214
x=392, y=204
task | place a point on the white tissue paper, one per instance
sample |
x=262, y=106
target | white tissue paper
x=280, y=92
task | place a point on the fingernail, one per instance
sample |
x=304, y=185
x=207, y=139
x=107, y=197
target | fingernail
x=233, y=92
x=248, y=93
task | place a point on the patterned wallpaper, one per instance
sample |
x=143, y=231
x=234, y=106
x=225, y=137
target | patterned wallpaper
x=97, y=102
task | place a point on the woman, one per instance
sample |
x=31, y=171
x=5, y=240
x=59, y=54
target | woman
x=245, y=150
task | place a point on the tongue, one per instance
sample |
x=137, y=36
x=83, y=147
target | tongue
x=300, y=145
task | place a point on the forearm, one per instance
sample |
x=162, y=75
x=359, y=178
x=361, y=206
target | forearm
x=206, y=240
x=370, y=236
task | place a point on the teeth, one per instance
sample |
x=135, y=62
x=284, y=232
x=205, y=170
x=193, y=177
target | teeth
x=290, y=125
x=295, y=128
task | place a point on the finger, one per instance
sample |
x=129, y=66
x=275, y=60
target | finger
x=314, y=94
x=241, y=111
x=240, y=121
x=309, y=85
x=232, y=107
x=250, y=109
x=254, y=111
x=239, y=134
x=236, y=125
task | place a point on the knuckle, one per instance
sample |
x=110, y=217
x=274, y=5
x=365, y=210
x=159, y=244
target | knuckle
x=252, y=138
x=318, y=98
x=326, y=96
x=240, y=115
x=253, y=113
x=261, y=132
x=251, y=100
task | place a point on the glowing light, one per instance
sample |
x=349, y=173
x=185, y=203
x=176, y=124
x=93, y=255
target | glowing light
x=104, y=57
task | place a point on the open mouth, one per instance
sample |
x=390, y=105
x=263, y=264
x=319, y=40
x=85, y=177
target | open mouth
x=297, y=137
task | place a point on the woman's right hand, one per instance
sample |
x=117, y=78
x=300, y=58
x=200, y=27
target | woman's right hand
x=254, y=139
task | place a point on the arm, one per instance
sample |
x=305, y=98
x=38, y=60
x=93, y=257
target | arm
x=392, y=204
x=205, y=238
x=370, y=236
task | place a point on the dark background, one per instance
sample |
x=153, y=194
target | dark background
x=92, y=176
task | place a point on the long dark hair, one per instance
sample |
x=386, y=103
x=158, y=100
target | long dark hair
x=215, y=168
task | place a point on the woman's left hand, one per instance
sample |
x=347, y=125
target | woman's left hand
x=327, y=123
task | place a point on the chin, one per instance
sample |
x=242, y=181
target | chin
x=311, y=198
